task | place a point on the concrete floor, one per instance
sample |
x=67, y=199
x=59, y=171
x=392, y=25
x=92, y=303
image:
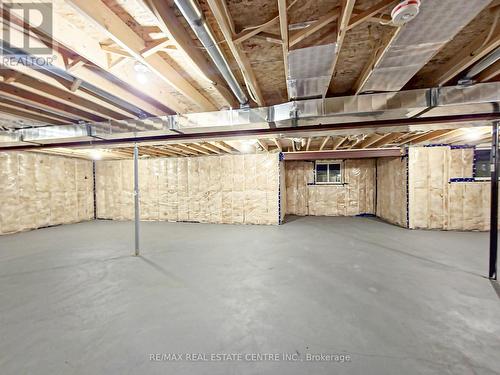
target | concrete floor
x=73, y=301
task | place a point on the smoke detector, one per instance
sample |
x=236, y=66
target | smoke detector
x=405, y=11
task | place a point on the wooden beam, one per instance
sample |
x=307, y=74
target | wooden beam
x=430, y=136
x=268, y=37
x=489, y=73
x=30, y=115
x=41, y=88
x=315, y=26
x=343, y=154
x=176, y=32
x=116, y=29
x=347, y=8
x=325, y=141
x=338, y=142
x=75, y=64
x=308, y=144
x=196, y=148
x=386, y=139
x=70, y=43
x=369, y=140
x=155, y=46
x=115, y=51
x=482, y=45
x=223, y=146
x=377, y=54
x=208, y=147
x=39, y=100
x=37, y=110
x=283, y=15
x=263, y=144
x=224, y=22
x=252, y=31
x=278, y=144
x=75, y=85
x=179, y=151
x=369, y=13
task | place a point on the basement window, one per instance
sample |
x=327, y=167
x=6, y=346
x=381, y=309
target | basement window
x=328, y=172
x=482, y=164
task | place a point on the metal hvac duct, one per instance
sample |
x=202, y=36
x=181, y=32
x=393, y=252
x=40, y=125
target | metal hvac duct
x=424, y=109
x=193, y=14
x=485, y=63
x=22, y=56
x=419, y=40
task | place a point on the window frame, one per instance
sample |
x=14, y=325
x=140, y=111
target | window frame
x=478, y=178
x=328, y=163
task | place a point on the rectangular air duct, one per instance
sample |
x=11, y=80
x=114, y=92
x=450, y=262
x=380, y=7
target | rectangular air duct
x=418, y=41
x=310, y=71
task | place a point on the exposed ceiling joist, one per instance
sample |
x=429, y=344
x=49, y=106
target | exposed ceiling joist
x=377, y=54
x=224, y=21
x=346, y=12
x=278, y=144
x=116, y=29
x=339, y=142
x=50, y=104
x=173, y=28
x=38, y=87
x=430, y=136
x=263, y=144
x=68, y=43
x=283, y=16
x=308, y=144
x=20, y=112
x=252, y=31
x=325, y=141
x=315, y=26
x=489, y=73
x=467, y=56
x=369, y=13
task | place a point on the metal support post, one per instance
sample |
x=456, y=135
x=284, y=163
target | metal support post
x=495, y=164
x=136, y=198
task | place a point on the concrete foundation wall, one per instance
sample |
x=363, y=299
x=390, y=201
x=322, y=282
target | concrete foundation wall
x=355, y=197
x=38, y=190
x=391, y=190
x=241, y=189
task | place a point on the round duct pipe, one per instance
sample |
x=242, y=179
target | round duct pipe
x=193, y=14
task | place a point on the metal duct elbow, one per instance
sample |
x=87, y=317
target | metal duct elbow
x=193, y=14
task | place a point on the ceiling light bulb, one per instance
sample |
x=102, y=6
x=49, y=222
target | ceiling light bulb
x=142, y=78
x=96, y=154
x=473, y=134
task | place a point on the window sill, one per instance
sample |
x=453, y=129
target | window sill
x=327, y=184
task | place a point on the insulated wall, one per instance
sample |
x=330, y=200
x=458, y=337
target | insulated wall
x=39, y=190
x=356, y=196
x=436, y=201
x=242, y=189
x=391, y=190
